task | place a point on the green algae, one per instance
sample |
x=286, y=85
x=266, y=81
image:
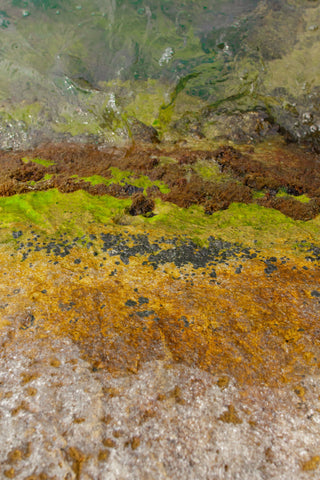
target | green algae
x=210, y=170
x=258, y=194
x=281, y=194
x=167, y=160
x=148, y=99
x=123, y=177
x=94, y=179
x=53, y=212
x=26, y=113
x=249, y=224
x=39, y=161
x=77, y=126
x=300, y=198
x=188, y=63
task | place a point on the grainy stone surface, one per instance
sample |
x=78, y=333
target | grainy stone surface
x=60, y=419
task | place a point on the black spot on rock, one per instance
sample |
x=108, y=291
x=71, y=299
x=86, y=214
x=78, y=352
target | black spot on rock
x=185, y=321
x=130, y=303
x=143, y=300
x=77, y=261
x=315, y=293
x=131, y=189
x=17, y=234
x=270, y=268
x=145, y=313
x=66, y=307
x=213, y=274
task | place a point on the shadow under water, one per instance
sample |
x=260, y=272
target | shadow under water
x=101, y=71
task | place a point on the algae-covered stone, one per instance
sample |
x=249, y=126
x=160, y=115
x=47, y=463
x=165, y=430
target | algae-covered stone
x=192, y=71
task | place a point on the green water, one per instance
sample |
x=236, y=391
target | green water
x=88, y=70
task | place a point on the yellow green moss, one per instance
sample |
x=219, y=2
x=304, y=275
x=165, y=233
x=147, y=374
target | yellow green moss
x=125, y=176
x=52, y=211
x=300, y=198
x=249, y=224
x=39, y=161
x=77, y=126
x=209, y=170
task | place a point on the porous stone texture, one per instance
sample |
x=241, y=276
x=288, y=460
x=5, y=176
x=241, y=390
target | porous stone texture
x=60, y=419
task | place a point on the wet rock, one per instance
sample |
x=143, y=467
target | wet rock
x=240, y=128
x=131, y=189
x=141, y=205
x=141, y=132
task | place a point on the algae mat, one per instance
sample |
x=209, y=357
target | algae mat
x=130, y=352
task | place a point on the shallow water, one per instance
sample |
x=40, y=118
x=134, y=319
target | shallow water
x=182, y=343
x=86, y=69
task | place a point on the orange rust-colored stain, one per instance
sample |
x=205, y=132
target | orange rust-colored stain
x=254, y=327
x=134, y=442
x=230, y=416
x=22, y=406
x=108, y=442
x=15, y=456
x=10, y=473
x=223, y=382
x=27, y=378
x=311, y=464
x=103, y=455
x=77, y=460
x=31, y=391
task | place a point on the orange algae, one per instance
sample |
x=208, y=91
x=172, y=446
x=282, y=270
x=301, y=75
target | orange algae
x=252, y=326
x=311, y=464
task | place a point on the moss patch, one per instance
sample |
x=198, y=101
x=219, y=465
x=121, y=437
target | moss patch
x=249, y=224
x=210, y=170
x=39, y=161
x=125, y=176
x=53, y=211
x=300, y=198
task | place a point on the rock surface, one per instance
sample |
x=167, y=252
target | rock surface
x=177, y=345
